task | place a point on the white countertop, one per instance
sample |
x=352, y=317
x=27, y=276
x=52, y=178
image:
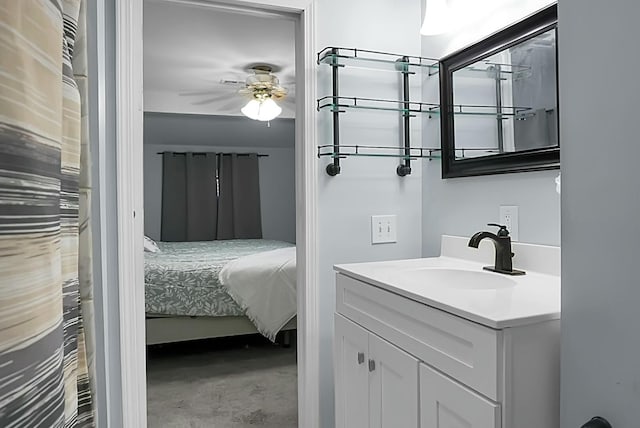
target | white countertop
x=535, y=297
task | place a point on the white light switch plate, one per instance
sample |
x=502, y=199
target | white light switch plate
x=383, y=229
x=509, y=218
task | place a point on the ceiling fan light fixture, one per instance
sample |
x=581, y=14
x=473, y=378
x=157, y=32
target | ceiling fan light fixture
x=263, y=110
x=252, y=109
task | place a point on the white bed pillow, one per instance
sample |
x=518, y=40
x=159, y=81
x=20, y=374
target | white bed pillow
x=150, y=245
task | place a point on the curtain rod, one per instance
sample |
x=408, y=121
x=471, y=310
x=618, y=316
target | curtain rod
x=202, y=153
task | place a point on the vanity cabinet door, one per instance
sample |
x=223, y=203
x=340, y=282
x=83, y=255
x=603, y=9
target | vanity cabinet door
x=351, y=348
x=393, y=386
x=445, y=403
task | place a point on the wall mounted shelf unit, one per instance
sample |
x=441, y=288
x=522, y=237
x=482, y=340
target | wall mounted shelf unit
x=339, y=58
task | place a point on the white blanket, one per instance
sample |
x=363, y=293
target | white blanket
x=264, y=285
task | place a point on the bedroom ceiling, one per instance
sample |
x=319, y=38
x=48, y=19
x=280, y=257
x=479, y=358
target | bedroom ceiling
x=189, y=47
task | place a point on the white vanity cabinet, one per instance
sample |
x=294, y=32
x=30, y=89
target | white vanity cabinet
x=402, y=363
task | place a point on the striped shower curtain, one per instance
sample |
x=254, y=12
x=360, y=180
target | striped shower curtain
x=45, y=252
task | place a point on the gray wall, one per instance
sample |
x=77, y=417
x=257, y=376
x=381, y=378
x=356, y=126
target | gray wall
x=600, y=212
x=463, y=206
x=168, y=132
x=225, y=131
x=366, y=186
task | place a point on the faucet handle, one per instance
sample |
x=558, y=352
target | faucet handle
x=503, y=232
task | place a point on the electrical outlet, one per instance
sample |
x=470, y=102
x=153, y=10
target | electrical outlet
x=509, y=218
x=383, y=229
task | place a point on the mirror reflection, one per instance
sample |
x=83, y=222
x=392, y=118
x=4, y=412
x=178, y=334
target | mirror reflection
x=507, y=102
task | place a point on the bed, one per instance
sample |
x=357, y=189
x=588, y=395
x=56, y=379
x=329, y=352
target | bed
x=184, y=297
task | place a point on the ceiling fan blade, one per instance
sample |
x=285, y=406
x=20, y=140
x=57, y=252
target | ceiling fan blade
x=233, y=105
x=232, y=82
x=197, y=93
x=211, y=100
x=216, y=87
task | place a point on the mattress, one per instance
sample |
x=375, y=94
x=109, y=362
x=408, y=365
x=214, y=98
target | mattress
x=182, y=278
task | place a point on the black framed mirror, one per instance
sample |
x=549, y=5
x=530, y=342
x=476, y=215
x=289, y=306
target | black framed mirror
x=499, y=101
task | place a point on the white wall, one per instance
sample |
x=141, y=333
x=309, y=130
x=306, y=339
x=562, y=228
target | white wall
x=463, y=206
x=600, y=212
x=366, y=186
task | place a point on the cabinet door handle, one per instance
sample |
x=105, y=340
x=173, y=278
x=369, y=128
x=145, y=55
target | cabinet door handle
x=372, y=365
x=360, y=357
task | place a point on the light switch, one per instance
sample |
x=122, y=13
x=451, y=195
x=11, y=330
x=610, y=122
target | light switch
x=383, y=229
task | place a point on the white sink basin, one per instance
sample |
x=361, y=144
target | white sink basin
x=457, y=278
x=456, y=283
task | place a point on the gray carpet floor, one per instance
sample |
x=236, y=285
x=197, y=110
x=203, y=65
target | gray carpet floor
x=217, y=384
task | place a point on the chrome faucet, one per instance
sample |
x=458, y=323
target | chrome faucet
x=502, y=242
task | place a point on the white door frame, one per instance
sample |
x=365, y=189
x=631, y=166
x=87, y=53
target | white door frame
x=129, y=133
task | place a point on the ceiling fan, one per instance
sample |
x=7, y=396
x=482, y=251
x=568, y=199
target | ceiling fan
x=262, y=87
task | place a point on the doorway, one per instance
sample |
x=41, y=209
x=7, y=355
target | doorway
x=130, y=227
x=220, y=217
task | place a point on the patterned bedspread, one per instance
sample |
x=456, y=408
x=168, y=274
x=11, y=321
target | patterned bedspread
x=182, y=279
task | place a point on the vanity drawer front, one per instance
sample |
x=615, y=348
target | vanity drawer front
x=444, y=403
x=462, y=349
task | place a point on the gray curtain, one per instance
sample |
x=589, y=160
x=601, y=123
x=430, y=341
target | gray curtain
x=239, y=214
x=189, y=197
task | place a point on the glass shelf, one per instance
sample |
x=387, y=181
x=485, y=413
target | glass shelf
x=379, y=151
x=346, y=151
x=477, y=110
x=464, y=153
x=360, y=58
x=344, y=103
x=488, y=69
